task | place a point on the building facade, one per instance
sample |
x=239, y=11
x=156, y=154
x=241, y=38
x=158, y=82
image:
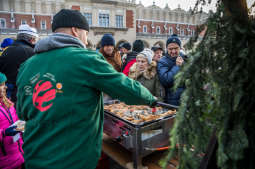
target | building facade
x=154, y=24
x=124, y=19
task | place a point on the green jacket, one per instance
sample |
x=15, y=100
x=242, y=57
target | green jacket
x=60, y=98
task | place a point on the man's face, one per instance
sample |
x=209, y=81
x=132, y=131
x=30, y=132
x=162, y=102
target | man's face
x=157, y=55
x=83, y=36
x=123, y=50
x=173, y=49
x=108, y=49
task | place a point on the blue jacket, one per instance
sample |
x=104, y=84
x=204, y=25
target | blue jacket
x=167, y=69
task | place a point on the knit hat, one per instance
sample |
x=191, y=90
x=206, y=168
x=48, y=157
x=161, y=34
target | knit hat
x=6, y=42
x=67, y=18
x=126, y=45
x=2, y=78
x=26, y=29
x=138, y=46
x=147, y=53
x=174, y=39
x=107, y=40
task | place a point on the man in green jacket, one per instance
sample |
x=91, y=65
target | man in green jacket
x=60, y=97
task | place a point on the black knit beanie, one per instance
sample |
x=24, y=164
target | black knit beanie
x=107, y=39
x=67, y=18
x=138, y=46
x=126, y=45
x=174, y=39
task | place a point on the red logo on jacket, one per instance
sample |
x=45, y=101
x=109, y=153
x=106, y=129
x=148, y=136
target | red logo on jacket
x=43, y=93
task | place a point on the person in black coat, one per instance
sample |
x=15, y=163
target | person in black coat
x=15, y=55
x=168, y=66
x=138, y=46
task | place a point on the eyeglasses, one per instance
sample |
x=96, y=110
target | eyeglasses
x=177, y=48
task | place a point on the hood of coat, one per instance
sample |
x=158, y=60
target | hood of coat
x=57, y=40
x=22, y=42
x=149, y=73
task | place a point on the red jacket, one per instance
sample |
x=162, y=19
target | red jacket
x=11, y=153
x=129, y=65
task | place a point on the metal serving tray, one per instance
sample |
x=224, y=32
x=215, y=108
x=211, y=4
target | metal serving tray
x=141, y=139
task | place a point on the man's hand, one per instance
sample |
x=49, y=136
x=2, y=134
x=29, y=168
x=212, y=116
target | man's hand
x=179, y=61
x=154, y=104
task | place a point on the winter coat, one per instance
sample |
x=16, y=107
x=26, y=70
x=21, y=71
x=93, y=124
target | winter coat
x=129, y=61
x=114, y=60
x=167, y=69
x=10, y=61
x=11, y=153
x=62, y=103
x=149, y=79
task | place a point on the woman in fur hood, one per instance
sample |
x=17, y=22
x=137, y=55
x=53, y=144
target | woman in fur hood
x=145, y=71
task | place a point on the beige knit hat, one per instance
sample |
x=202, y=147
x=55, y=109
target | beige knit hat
x=147, y=54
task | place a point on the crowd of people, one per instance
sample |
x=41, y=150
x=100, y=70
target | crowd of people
x=57, y=86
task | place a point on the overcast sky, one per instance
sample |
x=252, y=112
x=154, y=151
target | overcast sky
x=185, y=4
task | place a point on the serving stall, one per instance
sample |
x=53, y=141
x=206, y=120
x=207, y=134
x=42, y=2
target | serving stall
x=140, y=132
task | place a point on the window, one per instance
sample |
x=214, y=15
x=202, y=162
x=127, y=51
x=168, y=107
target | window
x=2, y=23
x=144, y=28
x=182, y=32
x=158, y=30
x=89, y=18
x=119, y=21
x=171, y=30
x=23, y=22
x=104, y=20
x=43, y=25
x=192, y=32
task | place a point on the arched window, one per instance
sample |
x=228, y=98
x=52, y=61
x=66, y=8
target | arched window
x=171, y=30
x=158, y=30
x=43, y=25
x=182, y=32
x=144, y=28
x=2, y=23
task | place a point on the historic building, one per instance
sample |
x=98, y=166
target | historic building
x=125, y=19
x=104, y=16
x=154, y=24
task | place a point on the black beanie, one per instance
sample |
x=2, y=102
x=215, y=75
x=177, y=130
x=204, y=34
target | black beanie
x=138, y=46
x=107, y=39
x=126, y=45
x=67, y=18
x=174, y=39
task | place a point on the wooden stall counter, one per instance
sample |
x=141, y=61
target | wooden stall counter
x=124, y=158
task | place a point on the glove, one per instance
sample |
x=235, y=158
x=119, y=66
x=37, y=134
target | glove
x=10, y=131
x=154, y=104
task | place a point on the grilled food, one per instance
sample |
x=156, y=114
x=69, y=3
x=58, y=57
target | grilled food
x=138, y=114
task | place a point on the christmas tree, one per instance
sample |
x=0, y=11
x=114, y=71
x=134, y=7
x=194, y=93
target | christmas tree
x=216, y=111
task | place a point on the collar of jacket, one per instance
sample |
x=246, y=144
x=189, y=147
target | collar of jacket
x=149, y=73
x=57, y=40
x=23, y=42
x=132, y=55
x=170, y=57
